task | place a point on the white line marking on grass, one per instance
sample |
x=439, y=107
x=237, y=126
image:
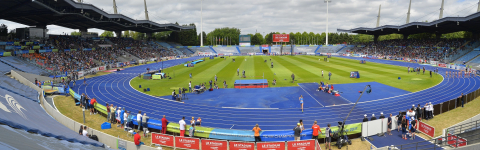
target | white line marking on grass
x=247, y=108
x=310, y=95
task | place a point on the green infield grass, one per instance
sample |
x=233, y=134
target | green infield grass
x=307, y=69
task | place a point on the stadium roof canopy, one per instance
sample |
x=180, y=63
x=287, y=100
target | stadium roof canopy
x=445, y=25
x=70, y=14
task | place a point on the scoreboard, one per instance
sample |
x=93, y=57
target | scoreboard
x=244, y=40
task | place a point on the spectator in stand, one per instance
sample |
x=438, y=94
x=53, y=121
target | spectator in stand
x=315, y=131
x=373, y=117
x=328, y=137
x=145, y=124
x=256, y=131
x=191, y=131
x=183, y=125
x=139, y=120
x=112, y=113
x=108, y=111
x=297, y=131
x=389, y=125
x=93, y=102
x=81, y=130
x=399, y=121
x=164, y=125
x=84, y=131
x=199, y=122
x=381, y=115
x=137, y=139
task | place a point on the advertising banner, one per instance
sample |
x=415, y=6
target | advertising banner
x=214, y=145
x=187, y=143
x=271, y=146
x=102, y=68
x=241, y=146
x=426, y=129
x=281, y=37
x=81, y=74
x=301, y=145
x=121, y=144
x=227, y=134
x=307, y=134
x=442, y=65
x=452, y=141
x=162, y=139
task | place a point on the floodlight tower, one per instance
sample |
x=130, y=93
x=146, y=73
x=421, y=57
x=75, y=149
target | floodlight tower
x=201, y=23
x=441, y=11
x=378, y=17
x=146, y=12
x=478, y=9
x=326, y=40
x=408, y=13
x=114, y=7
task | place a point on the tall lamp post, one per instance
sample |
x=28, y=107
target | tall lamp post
x=326, y=40
x=201, y=23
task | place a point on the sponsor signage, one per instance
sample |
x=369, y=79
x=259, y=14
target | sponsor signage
x=241, y=146
x=162, y=139
x=187, y=143
x=442, y=65
x=214, y=145
x=271, y=146
x=452, y=141
x=301, y=145
x=281, y=37
x=101, y=68
x=426, y=129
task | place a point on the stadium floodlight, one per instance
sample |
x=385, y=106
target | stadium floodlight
x=326, y=39
x=201, y=23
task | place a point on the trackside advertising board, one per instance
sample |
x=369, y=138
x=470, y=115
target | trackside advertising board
x=241, y=145
x=455, y=141
x=301, y=145
x=187, y=143
x=270, y=145
x=426, y=129
x=162, y=139
x=281, y=37
x=214, y=145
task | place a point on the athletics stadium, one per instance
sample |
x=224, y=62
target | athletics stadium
x=424, y=73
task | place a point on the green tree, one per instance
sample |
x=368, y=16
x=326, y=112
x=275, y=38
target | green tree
x=422, y=36
x=75, y=33
x=390, y=37
x=107, y=34
x=126, y=34
x=3, y=30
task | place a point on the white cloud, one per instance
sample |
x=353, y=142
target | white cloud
x=279, y=15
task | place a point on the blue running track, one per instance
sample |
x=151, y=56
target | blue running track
x=115, y=88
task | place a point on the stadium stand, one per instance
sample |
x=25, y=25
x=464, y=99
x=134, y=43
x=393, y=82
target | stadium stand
x=201, y=49
x=24, y=114
x=250, y=49
x=467, y=57
x=20, y=139
x=23, y=65
x=224, y=50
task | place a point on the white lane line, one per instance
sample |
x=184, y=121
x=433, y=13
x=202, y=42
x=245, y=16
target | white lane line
x=247, y=108
x=310, y=95
x=232, y=126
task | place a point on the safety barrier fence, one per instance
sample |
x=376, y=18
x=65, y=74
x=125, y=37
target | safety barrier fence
x=450, y=141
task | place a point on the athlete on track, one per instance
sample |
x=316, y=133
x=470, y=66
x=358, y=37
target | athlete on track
x=301, y=101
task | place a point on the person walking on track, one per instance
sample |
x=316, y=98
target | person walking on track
x=301, y=101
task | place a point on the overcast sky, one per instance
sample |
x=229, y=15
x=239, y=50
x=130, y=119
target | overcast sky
x=278, y=15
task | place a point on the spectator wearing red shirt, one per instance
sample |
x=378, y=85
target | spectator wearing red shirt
x=315, y=129
x=164, y=125
x=92, y=105
x=136, y=139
